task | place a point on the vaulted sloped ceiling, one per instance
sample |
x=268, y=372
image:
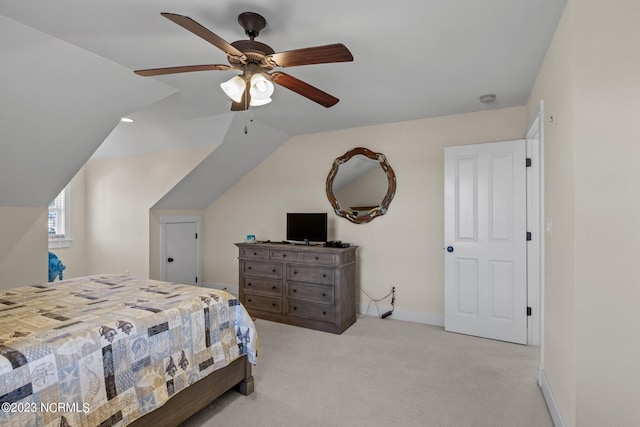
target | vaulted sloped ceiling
x=58, y=103
x=67, y=77
x=237, y=155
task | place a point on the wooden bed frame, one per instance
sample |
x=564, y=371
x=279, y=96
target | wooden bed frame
x=200, y=394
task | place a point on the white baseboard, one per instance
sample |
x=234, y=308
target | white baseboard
x=406, y=315
x=554, y=410
x=232, y=289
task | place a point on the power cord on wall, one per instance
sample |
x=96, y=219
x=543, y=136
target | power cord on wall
x=375, y=301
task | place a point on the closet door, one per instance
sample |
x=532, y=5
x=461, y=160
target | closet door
x=180, y=250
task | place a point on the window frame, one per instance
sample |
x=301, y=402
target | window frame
x=62, y=240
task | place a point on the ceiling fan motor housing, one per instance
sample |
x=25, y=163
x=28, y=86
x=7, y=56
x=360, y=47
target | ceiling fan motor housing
x=252, y=23
x=253, y=50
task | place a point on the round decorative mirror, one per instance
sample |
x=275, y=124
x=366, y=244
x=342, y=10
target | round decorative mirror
x=360, y=185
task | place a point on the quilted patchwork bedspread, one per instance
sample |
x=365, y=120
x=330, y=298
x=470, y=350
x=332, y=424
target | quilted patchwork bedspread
x=105, y=350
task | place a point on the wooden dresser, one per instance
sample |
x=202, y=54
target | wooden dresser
x=309, y=286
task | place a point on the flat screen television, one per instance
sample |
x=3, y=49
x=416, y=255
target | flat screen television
x=307, y=227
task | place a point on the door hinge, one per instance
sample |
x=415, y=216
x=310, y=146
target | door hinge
x=528, y=311
x=528, y=162
x=196, y=280
x=196, y=235
x=528, y=236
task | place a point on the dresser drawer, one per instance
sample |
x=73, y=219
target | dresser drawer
x=263, y=269
x=256, y=253
x=263, y=286
x=313, y=293
x=262, y=303
x=302, y=273
x=309, y=310
x=317, y=258
x=283, y=255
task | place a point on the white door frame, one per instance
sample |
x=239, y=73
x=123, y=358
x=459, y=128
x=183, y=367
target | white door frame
x=535, y=217
x=164, y=220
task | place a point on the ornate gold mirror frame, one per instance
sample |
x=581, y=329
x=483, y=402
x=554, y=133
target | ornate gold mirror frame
x=372, y=211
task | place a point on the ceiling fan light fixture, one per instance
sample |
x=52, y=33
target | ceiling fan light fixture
x=234, y=88
x=261, y=90
x=255, y=60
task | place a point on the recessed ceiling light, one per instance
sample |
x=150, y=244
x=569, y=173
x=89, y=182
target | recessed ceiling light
x=127, y=120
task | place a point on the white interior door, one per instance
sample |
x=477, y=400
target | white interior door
x=485, y=241
x=180, y=254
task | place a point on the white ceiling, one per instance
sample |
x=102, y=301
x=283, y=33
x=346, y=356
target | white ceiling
x=412, y=59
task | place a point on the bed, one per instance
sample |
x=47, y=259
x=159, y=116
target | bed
x=116, y=350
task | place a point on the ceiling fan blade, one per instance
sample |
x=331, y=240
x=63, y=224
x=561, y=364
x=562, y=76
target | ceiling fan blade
x=244, y=101
x=304, y=89
x=183, y=69
x=202, y=32
x=311, y=55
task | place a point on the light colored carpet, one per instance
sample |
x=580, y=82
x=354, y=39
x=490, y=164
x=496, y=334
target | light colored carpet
x=384, y=372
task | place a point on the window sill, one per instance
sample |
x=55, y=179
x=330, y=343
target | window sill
x=60, y=243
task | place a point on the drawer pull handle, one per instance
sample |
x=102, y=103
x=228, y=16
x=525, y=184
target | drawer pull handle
x=249, y=300
x=317, y=258
x=273, y=271
x=273, y=287
x=273, y=304
x=295, y=272
x=324, y=275
x=249, y=284
x=249, y=268
x=324, y=313
x=295, y=308
x=324, y=295
x=284, y=255
x=255, y=253
x=295, y=290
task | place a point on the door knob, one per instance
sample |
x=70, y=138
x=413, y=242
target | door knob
x=169, y=259
x=449, y=248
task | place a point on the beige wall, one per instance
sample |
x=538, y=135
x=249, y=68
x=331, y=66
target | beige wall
x=607, y=176
x=111, y=229
x=402, y=248
x=591, y=86
x=120, y=193
x=23, y=246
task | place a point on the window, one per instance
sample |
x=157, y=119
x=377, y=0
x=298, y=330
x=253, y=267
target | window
x=59, y=224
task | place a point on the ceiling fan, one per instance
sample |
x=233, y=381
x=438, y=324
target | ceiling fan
x=256, y=61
